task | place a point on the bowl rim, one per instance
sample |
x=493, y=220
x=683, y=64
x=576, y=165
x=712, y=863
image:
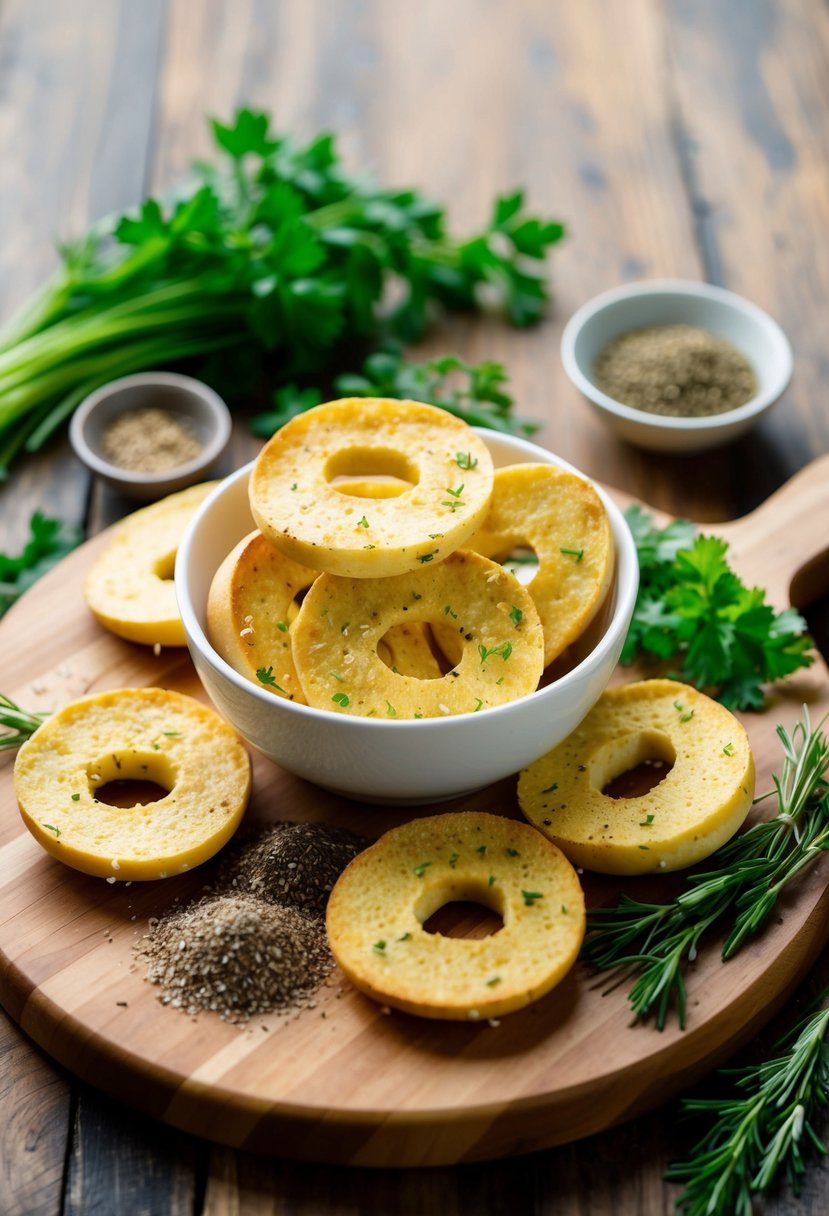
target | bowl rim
x=692, y=289
x=626, y=589
x=215, y=408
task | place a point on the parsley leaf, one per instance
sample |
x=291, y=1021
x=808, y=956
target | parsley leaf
x=49, y=541
x=694, y=609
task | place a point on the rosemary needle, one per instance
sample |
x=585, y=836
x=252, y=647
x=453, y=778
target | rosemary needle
x=20, y=723
x=656, y=941
x=762, y=1130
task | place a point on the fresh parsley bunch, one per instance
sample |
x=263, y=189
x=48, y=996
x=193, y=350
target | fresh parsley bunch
x=692, y=608
x=277, y=250
x=49, y=541
x=474, y=392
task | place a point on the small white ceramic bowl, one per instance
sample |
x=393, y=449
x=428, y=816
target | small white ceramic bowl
x=407, y=761
x=674, y=302
x=193, y=402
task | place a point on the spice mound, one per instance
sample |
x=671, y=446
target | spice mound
x=295, y=864
x=675, y=370
x=149, y=440
x=237, y=957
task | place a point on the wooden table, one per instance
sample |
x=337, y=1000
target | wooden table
x=674, y=138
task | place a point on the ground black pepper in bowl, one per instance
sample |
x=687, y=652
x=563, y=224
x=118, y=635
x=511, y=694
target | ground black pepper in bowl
x=675, y=370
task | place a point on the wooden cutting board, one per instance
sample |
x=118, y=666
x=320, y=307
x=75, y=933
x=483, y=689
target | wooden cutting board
x=344, y=1082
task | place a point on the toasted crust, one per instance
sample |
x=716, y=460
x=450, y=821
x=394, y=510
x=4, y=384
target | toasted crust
x=147, y=734
x=250, y=611
x=562, y=518
x=695, y=808
x=343, y=621
x=379, y=904
x=129, y=589
x=297, y=505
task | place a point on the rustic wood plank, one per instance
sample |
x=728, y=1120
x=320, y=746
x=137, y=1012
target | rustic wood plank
x=35, y=1100
x=123, y=1162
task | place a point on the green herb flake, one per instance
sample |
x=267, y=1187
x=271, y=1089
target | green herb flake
x=265, y=676
x=169, y=734
x=454, y=859
x=516, y=615
x=478, y=704
x=465, y=460
x=564, y=909
x=362, y=523
x=337, y=676
x=646, y=822
x=379, y=947
x=282, y=626
x=404, y=937
x=496, y=979
x=551, y=789
x=481, y=849
x=51, y=828
x=646, y=848
x=578, y=554
x=421, y=869
x=502, y=651
x=293, y=486
x=369, y=546
x=341, y=698
x=491, y=881
x=687, y=717
x=531, y=896
x=728, y=750
x=391, y=712
x=455, y=493
x=449, y=612
x=76, y=797
x=426, y=557
x=512, y=852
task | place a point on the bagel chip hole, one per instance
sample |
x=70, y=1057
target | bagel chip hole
x=165, y=566
x=419, y=650
x=521, y=561
x=369, y=472
x=461, y=909
x=633, y=765
x=131, y=779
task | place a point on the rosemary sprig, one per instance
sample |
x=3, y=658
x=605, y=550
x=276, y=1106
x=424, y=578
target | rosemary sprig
x=19, y=723
x=762, y=1130
x=655, y=942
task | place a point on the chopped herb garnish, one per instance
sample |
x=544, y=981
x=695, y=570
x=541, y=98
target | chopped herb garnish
x=293, y=485
x=454, y=859
x=465, y=460
x=51, y=829
x=481, y=849
x=404, y=937
x=531, y=896
x=391, y=712
x=491, y=880
x=503, y=651
x=379, y=947
x=551, y=788
x=645, y=848
x=455, y=493
x=426, y=557
x=282, y=626
x=76, y=797
x=341, y=698
x=646, y=822
x=362, y=523
x=496, y=979
x=516, y=616
x=169, y=734
x=337, y=676
x=265, y=676
x=687, y=717
x=512, y=852
x=578, y=554
x=448, y=612
x=728, y=750
x=421, y=869
x=478, y=704
x=369, y=546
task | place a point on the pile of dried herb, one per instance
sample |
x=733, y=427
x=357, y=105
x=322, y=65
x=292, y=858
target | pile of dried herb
x=256, y=944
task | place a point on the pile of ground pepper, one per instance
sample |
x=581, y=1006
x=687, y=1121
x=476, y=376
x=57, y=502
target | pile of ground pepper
x=256, y=944
x=149, y=440
x=676, y=370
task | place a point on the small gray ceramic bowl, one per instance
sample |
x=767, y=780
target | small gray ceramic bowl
x=197, y=405
x=675, y=302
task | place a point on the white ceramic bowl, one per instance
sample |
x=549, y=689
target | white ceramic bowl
x=674, y=302
x=403, y=761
